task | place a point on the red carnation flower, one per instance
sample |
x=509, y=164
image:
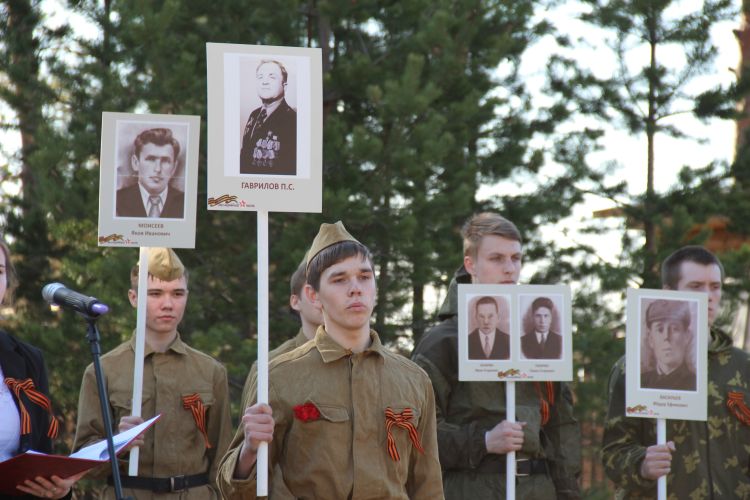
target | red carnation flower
x=306, y=412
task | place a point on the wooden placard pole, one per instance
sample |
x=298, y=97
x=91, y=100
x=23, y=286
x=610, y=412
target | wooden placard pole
x=661, y=438
x=140, y=343
x=262, y=457
x=510, y=459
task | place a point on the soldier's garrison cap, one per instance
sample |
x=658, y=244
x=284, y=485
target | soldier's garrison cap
x=663, y=310
x=328, y=234
x=163, y=263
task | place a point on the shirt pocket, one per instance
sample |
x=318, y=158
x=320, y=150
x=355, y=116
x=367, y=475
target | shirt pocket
x=315, y=441
x=194, y=415
x=404, y=432
x=122, y=405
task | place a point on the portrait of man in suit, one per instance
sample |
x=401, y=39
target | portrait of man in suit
x=269, y=141
x=154, y=160
x=487, y=341
x=540, y=341
x=669, y=339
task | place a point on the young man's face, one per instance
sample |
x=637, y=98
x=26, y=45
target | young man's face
x=155, y=166
x=695, y=277
x=269, y=81
x=487, y=318
x=498, y=261
x=668, y=340
x=542, y=319
x=346, y=295
x=165, y=304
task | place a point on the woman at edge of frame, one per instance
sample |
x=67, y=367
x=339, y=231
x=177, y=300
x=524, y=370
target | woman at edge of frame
x=26, y=418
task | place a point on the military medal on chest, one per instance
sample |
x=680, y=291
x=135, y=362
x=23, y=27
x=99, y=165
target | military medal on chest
x=266, y=150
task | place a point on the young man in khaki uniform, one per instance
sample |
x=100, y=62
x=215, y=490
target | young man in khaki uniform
x=311, y=317
x=309, y=314
x=347, y=418
x=179, y=455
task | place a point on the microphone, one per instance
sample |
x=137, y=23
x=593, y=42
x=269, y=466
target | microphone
x=56, y=293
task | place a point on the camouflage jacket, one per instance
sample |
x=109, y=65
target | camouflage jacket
x=466, y=410
x=711, y=459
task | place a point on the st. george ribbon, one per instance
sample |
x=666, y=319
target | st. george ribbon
x=57, y=293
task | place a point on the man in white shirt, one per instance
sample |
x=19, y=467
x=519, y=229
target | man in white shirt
x=542, y=343
x=154, y=160
x=487, y=341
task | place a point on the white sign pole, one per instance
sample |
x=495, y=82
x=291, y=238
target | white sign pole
x=661, y=438
x=510, y=458
x=140, y=342
x=262, y=457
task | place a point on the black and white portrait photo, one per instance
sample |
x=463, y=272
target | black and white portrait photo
x=541, y=337
x=668, y=353
x=150, y=180
x=269, y=134
x=265, y=128
x=488, y=324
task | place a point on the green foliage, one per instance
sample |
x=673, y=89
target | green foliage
x=411, y=130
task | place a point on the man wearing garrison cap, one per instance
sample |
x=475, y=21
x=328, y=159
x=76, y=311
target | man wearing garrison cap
x=179, y=457
x=669, y=338
x=310, y=317
x=346, y=417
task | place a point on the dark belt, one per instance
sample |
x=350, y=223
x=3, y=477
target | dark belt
x=162, y=484
x=524, y=466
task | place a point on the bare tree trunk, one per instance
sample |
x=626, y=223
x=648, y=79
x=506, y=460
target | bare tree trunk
x=650, y=272
x=417, y=312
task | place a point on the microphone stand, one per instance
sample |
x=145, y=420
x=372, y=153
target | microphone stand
x=92, y=335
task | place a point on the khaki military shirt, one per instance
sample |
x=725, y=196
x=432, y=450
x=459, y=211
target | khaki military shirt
x=287, y=346
x=343, y=453
x=277, y=490
x=174, y=445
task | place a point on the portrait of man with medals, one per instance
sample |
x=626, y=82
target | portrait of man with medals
x=269, y=141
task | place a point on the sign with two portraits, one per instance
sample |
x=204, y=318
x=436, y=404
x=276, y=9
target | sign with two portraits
x=514, y=332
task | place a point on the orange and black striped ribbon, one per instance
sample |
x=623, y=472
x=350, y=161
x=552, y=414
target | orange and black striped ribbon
x=736, y=405
x=400, y=420
x=194, y=403
x=545, y=405
x=36, y=397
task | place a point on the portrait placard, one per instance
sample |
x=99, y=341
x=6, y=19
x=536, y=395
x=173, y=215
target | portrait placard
x=148, y=180
x=514, y=332
x=265, y=128
x=666, y=349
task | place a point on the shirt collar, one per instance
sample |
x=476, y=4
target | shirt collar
x=177, y=346
x=491, y=335
x=145, y=195
x=330, y=350
x=273, y=106
x=300, y=338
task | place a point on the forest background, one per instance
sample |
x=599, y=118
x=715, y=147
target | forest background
x=428, y=118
